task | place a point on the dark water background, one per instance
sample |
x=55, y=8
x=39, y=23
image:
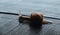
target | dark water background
x=47, y=7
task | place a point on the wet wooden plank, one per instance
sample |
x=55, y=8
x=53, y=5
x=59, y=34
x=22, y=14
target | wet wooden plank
x=9, y=25
x=48, y=29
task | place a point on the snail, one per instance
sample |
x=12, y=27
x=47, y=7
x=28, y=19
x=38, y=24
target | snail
x=35, y=18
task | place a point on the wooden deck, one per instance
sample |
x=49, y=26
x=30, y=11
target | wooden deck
x=9, y=25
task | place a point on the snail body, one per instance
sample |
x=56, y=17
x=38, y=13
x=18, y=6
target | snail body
x=36, y=19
